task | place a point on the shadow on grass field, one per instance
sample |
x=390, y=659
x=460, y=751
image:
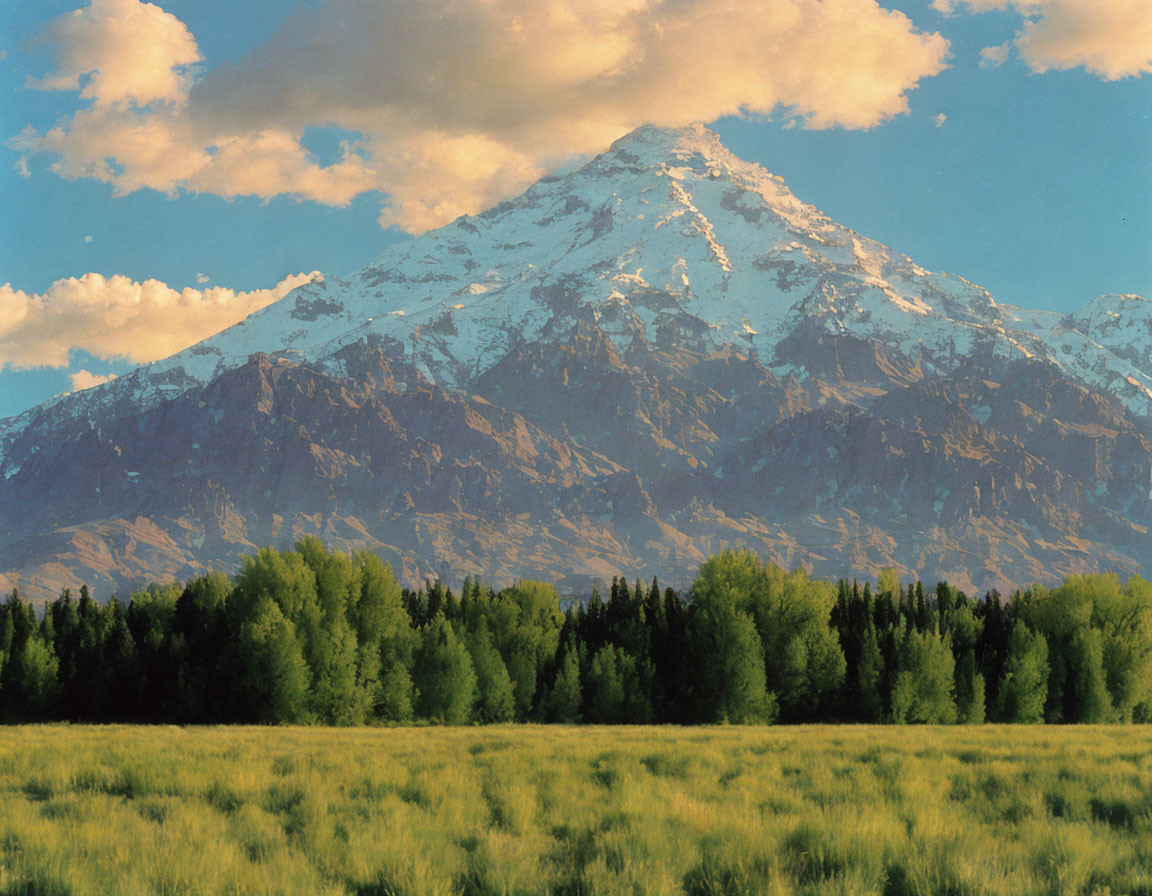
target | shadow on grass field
x=510, y=810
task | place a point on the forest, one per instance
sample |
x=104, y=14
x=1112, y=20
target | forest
x=310, y=636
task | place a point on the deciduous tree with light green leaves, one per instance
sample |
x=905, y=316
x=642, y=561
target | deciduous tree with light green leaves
x=567, y=694
x=1102, y=633
x=804, y=665
x=525, y=621
x=443, y=675
x=496, y=701
x=1025, y=686
x=729, y=658
x=272, y=676
x=924, y=681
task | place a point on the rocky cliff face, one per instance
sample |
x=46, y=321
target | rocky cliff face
x=656, y=356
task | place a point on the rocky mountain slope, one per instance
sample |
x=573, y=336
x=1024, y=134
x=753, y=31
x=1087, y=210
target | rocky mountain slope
x=657, y=355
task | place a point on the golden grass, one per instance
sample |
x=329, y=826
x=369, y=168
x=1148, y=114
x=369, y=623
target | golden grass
x=581, y=810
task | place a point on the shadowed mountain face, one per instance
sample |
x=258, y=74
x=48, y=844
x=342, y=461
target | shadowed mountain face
x=659, y=355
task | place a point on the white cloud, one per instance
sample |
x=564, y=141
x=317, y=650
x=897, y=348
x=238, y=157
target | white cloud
x=939, y=120
x=1109, y=38
x=202, y=278
x=83, y=379
x=120, y=52
x=992, y=57
x=457, y=103
x=21, y=168
x=116, y=317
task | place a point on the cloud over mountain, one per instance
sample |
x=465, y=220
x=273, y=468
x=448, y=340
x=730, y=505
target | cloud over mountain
x=470, y=100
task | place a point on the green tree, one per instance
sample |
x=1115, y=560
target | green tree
x=964, y=631
x=888, y=584
x=1089, y=701
x=200, y=623
x=566, y=695
x=396, y=701
x=338, y=697
x=38, y=684
x=1098, y=631
x=924, y=681
x=804, y=665
x=1024, y=687
x=118, y=665
x=729, y=660
x=386, y=639
x=444, y=678
x=378, y=600
x=969, y=691
x=604, y=690
x=525, y=621
x=1128, y=653
x=158, y=659
x=344, y=679
x=870, y=672
x=287, y=580
x=495, y=700
x=272, y=684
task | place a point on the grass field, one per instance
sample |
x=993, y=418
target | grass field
x=507, y=810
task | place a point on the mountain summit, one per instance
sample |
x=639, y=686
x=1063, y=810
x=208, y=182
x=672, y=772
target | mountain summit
x=623, y=368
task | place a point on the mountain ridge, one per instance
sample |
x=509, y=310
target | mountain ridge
x=662, y=307
x=961, y=303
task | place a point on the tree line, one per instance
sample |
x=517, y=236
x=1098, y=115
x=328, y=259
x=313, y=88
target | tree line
x=320, y=637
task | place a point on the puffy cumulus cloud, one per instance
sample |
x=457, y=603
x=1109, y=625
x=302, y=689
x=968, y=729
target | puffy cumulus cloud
x=462, y=104
x=272, y=162
x=120, y=51
x=116, y=317
x=1109, y=38
x=939, y=120
x=84, y=379
x=585, y=68
x=127, y=148
x=457, y=103
x=132, y=60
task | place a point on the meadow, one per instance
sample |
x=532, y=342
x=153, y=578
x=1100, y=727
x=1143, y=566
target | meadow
x=576, y=810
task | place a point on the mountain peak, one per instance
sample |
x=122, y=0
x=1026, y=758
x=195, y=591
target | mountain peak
x=696, y=149
x=659, y=144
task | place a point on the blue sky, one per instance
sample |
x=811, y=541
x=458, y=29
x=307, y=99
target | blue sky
x=1026, y=169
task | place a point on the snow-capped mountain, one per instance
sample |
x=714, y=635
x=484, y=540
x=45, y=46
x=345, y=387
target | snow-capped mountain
x=674, y=322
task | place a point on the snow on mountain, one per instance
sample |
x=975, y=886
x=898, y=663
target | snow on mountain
x=665, y=235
